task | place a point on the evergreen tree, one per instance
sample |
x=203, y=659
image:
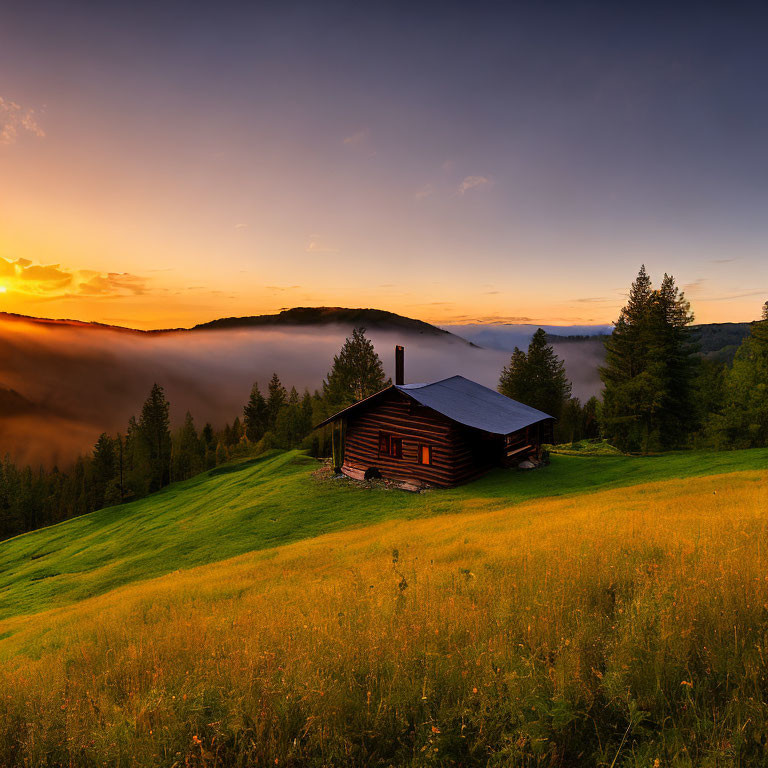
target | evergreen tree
x=306, y=414
x=765, y=311
x=255, y=415
x=538, y=378
x=650, y=369
x=276, y=397
x=743, y=418
x=187, y=451
x=207, y=437
x=356, y=373
x=237, y=432
x=104, y=468
x=155, y=432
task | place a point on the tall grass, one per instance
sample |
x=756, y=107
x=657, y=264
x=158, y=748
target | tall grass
x=619, y=628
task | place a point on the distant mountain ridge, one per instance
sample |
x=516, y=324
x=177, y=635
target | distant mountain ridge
x=371, y=319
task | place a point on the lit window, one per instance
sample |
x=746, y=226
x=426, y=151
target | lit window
x=425, y=454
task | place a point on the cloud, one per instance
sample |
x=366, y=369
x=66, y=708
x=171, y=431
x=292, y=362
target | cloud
x=694, y=286
x=735, y=296
x=15, y=119
x=591, y=300
x=241, y=226
x=356, y=139
x=486, y=320
x=316, y=245
x=52, y=281
x=472, y=182
x=424, y=191
x=113, y=284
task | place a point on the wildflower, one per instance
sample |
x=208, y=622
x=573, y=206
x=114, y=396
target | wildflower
x=435, y=729
x=685, y=682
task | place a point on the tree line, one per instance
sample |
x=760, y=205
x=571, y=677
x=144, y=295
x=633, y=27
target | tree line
x=658, y=393
x=149, y=454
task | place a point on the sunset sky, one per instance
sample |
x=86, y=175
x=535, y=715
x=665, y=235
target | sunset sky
x=164, y=164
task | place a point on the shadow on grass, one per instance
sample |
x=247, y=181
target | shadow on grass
x=228, y=469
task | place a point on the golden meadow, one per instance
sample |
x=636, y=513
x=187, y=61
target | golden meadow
x=625, y=627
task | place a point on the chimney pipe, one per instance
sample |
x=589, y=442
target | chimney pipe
x=399, y=365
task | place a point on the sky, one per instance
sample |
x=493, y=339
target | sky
x=164, y=164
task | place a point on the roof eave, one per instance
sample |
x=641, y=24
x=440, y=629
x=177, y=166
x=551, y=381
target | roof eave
x=340, y=414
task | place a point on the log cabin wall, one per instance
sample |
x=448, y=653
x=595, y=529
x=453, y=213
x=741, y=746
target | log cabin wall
x=458, y=454
x=399, y=416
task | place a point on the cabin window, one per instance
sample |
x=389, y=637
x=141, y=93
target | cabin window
x=425, y=454
x=390, y=446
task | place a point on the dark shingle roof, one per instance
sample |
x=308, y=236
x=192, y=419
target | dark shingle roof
x=465, y=402
x=474, y=405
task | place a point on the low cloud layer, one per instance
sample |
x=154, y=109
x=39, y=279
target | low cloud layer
x=63, y=385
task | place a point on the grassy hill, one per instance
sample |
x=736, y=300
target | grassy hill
x=604, y=611
x=275, y=499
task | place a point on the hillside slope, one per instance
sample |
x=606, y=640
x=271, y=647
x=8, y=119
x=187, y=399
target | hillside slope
x=622, y=627
x=276, y=499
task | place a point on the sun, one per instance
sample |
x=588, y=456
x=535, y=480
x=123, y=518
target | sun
x=3, y=289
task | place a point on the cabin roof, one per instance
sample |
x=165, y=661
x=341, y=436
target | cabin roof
x=465, y=402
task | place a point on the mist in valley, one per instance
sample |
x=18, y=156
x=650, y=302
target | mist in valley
x=61, y=386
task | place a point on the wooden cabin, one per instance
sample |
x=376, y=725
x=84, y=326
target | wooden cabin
x=443, y=434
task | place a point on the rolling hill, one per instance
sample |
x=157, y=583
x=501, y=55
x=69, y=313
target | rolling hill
x=603, y=611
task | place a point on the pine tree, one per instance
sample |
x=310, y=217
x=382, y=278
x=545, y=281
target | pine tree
x=187, y=451
x=155, y=431
x=357, y=372
x=306, y=414
x=765, y=311
x=104, y=467
x=649, y=369
x=276, y=397
x=255, y=415
x=742, y=421
x=237, y=431
x=538, y=378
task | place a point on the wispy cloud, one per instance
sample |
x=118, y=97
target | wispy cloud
x=734, y=296
x=15, y=119
x=424, y=192
x=316, y=245
x=356, y=139
x=695, y=286
x=473, y=182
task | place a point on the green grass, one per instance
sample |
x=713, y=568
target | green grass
x=272, y=500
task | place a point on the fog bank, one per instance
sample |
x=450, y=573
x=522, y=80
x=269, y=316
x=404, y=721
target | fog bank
x=70, y=384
